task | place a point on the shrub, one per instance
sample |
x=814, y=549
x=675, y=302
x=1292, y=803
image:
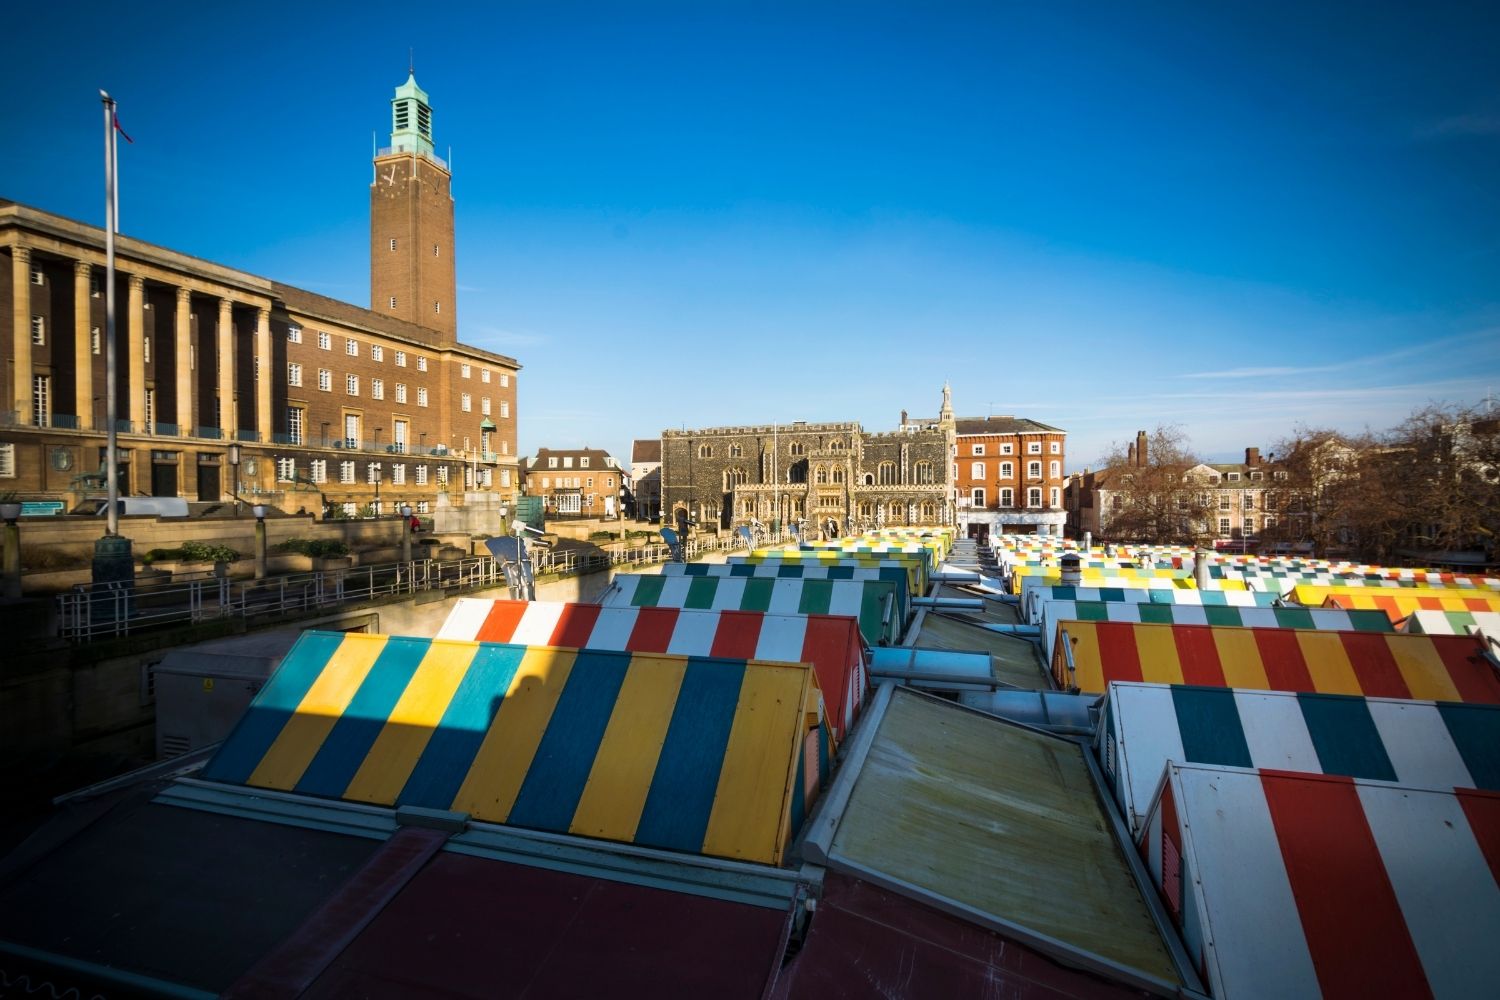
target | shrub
x=203, y=552
x=317, y=548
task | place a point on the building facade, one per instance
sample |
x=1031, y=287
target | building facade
x=1009, y=476
x=575, y=482
x=835, y=476
x=645, y=477
x=228, y=383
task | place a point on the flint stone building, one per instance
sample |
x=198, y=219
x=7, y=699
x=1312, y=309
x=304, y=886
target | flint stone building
x=836, y=476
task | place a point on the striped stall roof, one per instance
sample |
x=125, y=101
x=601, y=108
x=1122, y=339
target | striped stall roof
x=1390, y=665
x=699, y=754
x=1038, y=595
x=1059, y=613
x=897, y=575
x=864, y=600
x=1485, y=624
x=1306, y=885
x=1396, y=604
x=830, y=643
x=1034, y=584
x=1425, y=744
x=916, y=566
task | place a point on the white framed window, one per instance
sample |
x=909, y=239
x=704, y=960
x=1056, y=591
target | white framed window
x=424, y=507
x=1270, y=521
x=504, y=380
x=96, y=340
x=351, y=385
x=1248, y=500
x=1007, y=497
x=504, y=408
x=293, y=373
x=1007, y=449
x=434, y=249
x=351, y=347
x=1033, y=470
x=400, y=359
x=484, y=375
x=393, y=301
x=349, y=507
x=372, y=473
x=96, y=284
x=146, y=350
x=419, y=474
x=546, y=482
x=351, y=430
x=400, y=431
x=398, y=474
x=1255, y=477
x=294, y=424
x=325, y=341
x=1034, y=497
x=976, y=496
x=294, y=334
x=551, y=461
x=504, y=477
x=437, y=307
x=978, y=450
x=1055, y=447
x=421, y=363
x=400, y=392
x=393, y=245
x=504, y=446
x=484, y=405
x=40, y=404
x=346, y=472
x=38, y=331
x=976, y=470
x=1223, y=527
x=1054, y=469
x=377, y=388
x=464, y=370
x=1249, y=527
x=1007, y=470
x=1279, y=475
x=36, y=276
x=567, y=461
x=488, y=475
x=1055, y=496
x=319, y=470
x=1033, y=447
x=150, y=409
x=325, y=380
x=377, y=353
x=286, y=470
x=583, y=462
x=421, y=397
x=1233, y=477
x=442, y=475
x=464, y=402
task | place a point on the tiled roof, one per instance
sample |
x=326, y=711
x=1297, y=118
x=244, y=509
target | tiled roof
x=645, y=450
x=1004, y=425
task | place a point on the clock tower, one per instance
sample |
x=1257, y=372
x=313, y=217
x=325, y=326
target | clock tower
x=411, y=221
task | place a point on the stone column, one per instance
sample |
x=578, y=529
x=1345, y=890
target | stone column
x=182, y=355
x=228, y=420
x=136, y=340
x=263, y=380
x=83, y=344
x=20, y=279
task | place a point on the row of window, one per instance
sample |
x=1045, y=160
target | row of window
x=567, y=460
x=738, y=451
x=1032, y=448
x=978, y=495
x=466, y=404
x=466, y=370
x=317, y=471
x=574, y=482
x=1008, y=470
x=435, y=251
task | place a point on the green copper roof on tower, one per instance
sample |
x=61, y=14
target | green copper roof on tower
x=411, y=119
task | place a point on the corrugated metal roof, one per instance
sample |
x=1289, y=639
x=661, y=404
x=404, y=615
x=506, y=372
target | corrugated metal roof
x=829, y=642
x=1309, y=885
x=698, y=754
x=998, y=819
x=1420, y=743
x=1442, y=668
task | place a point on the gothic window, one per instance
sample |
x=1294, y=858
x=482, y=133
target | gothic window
x=866, y=509
x=887, y=471
x=795, y=448
x=797, y=473
x=836, y=445
x=735, y=451
x=820, y=475
x=929, y=510
x=838, y=474
x=869, y=479
x=705, y=451
x=923, y=472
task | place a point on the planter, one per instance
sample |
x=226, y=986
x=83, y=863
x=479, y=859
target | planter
x=325, y=564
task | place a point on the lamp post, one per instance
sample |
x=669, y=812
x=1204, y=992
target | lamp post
x=11, y=568
x=406, y=532
x=259, y=510
x=234, y=461
x=375, y=470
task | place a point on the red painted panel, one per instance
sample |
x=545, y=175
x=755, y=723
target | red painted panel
x=473, y=927
x=502, y=621
x=1118, y=656
x=1198, y=655
x=1483, y=812
x=1472, y=674
x=1281, y=656
x=737, y=635
x=864, y=942
x=1355, y=931
x=575, y=625
x=653, y=630
x=1374, y=665
x=832, y=645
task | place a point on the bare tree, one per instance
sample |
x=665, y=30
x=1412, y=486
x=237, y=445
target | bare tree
x=1154, y=497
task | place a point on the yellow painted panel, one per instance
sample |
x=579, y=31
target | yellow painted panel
x=615, y=793
x=1158, y=652
x=1422, y=668
x=383, y=772
x=1083, y=637
x=1328, y=662
x=302, y=737
x=1239, y=655
x=759, y=765
x=494, y=779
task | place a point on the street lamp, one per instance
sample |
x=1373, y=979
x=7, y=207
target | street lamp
x=234, y=460
x=10, y=512
x=375, y=470
x=406, y=532
x=259, y=510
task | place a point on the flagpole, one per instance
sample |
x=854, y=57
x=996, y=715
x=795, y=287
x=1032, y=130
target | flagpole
x=111, y=213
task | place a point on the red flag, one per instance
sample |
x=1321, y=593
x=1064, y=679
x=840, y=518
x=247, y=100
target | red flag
x=116, y=119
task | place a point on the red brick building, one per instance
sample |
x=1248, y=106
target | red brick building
x=575, y=482
x=1009, y=475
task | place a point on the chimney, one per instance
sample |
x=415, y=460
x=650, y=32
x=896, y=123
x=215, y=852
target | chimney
x=1140, y=448
x=1252, y=456
x=1130, y=454
x=903, y=418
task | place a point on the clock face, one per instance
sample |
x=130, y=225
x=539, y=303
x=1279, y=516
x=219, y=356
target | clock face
x=62, y=459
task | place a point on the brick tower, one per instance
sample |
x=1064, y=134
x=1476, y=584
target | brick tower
x=411, y=221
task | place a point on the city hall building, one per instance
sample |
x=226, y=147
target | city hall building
x=230, y=382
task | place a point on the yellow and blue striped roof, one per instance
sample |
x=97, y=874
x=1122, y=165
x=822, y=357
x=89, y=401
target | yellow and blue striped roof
x=700, y=754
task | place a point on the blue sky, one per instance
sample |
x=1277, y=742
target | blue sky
x=1101, y=216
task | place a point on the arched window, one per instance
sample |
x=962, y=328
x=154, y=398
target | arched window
x=735, y=451
x=869, y=479
x=923, y=472
x=1033, y=470
x=795, y=448
x=705, y=451
x=929, y=510
x=820, y=475
x=887, y=472
x=838, y=474
x=836, y=445
x=866, y=509
x=797, y=472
